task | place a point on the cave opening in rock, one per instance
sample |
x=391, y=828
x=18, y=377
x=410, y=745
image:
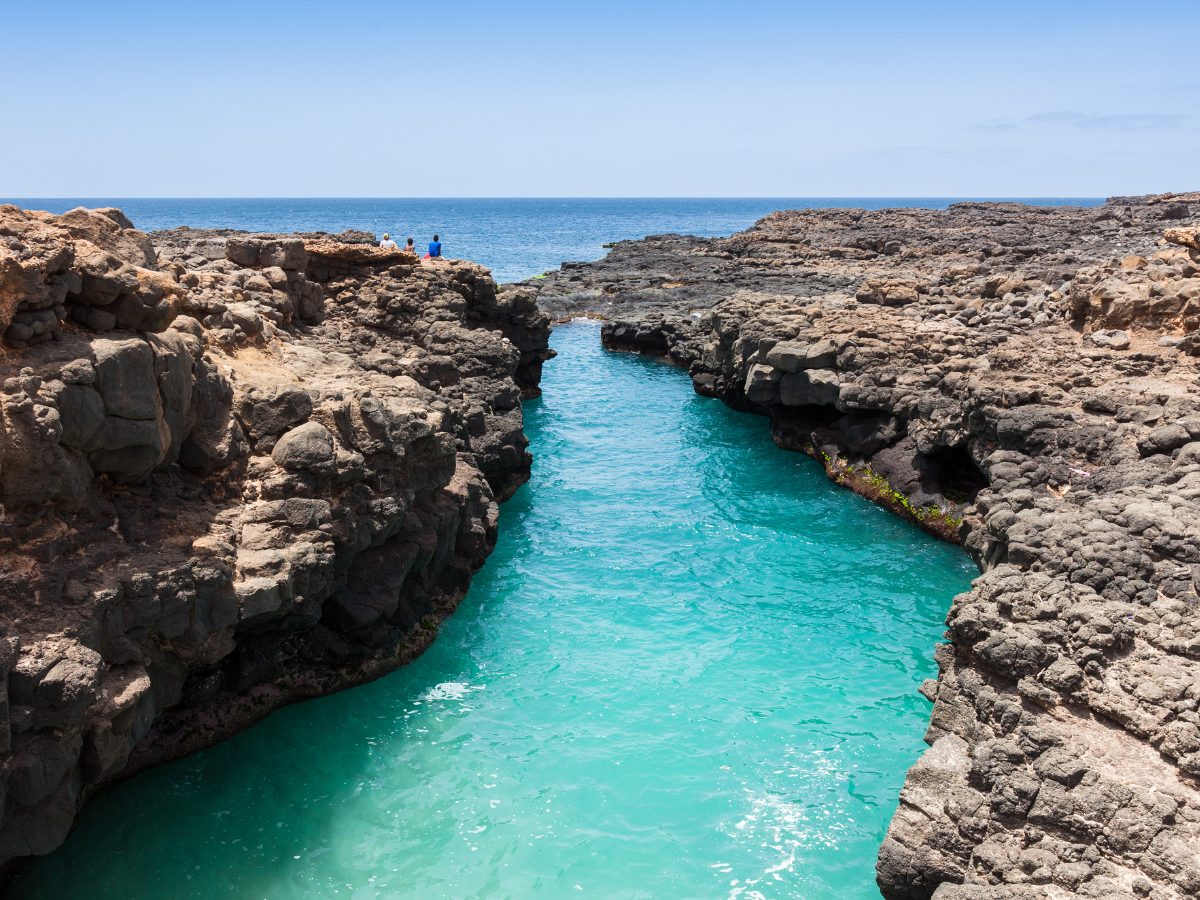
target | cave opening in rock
x=792, y=426
x=958, y=475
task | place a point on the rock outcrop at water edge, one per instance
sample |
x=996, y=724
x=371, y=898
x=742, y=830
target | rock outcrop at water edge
x=237, y=470
x=1021, y=381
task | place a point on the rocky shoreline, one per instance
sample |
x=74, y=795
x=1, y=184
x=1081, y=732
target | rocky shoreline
x=1022, y=381
x=237, y=471
x=242, y=470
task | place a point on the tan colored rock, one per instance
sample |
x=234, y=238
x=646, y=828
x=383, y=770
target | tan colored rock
x=31, y=250
x=130, y=246
x=358, y=254
x=1185, y=237
x=888, y=291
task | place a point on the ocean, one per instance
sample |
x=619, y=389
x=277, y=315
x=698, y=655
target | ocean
x=516, y=238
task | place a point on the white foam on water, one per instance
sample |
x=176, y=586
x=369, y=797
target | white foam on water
x=450, y=690
x=788, y=827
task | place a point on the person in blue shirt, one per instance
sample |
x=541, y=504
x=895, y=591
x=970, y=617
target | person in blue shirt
x=435, y=248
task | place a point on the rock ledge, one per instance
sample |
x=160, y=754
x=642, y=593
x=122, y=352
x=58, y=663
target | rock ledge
x=236, y=471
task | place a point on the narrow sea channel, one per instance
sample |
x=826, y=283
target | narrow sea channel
x=689, y=670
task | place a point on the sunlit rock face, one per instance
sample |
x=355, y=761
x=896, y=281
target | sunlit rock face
x=236, y=471
x=1022, y=381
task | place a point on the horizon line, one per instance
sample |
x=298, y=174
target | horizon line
x=597, y=197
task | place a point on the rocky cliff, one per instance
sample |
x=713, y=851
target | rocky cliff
x=236, y=471
x=1021, y=381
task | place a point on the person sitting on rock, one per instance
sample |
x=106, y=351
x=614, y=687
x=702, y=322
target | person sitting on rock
x=435, y=249
x=410, y=247
x=387, y=243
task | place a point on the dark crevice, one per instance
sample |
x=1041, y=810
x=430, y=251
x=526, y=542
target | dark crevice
x=958, y=475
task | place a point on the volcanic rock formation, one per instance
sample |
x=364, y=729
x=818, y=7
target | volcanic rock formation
x=1022, y=381
x=236, y=471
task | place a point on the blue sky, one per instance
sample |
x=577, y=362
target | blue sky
x=125, y=99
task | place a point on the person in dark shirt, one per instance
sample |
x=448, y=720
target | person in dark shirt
x=435, y=248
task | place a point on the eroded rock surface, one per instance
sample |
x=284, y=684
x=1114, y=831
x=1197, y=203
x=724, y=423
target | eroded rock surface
x=1020, y=381
x=235, y=471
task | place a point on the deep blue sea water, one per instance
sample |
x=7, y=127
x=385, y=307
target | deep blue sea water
x=689, y=670
x=516, y=238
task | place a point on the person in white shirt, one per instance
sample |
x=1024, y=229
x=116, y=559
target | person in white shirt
x=387, y=243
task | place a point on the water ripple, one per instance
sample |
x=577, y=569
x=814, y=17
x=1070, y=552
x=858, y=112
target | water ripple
x=689, y=670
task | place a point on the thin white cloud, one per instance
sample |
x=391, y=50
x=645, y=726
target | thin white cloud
x=1070, y=118
x=1124, y=122
x=1060, y=117
x=996, y=125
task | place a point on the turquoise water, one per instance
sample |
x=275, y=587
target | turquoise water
x=688, y=670
x=516, y=237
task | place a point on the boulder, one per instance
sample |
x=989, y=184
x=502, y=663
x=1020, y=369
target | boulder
x=243, y=251
x=129, y=449
x=762, y=384
x=125, y=378
x=173, y=370
x=82, y=412
x=810, y=387
x=1164, y=439
x=286, y=254
x=245, y=318
x=267, y=412
x=1112, y=340
x=787, y=357
x=105, y=232
x=79, y=371
x=152, y=306
x=1112, y=302
x=1185, y=237
x=216, y=438
x=889, y=291
x=94, y=318
x=275, y=277
x=307, y=448
x=821, y=355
